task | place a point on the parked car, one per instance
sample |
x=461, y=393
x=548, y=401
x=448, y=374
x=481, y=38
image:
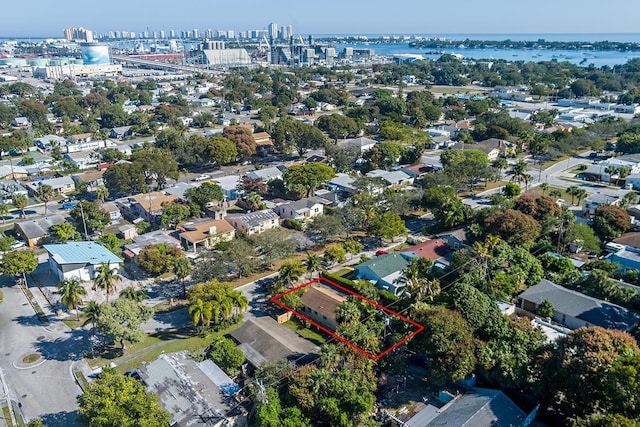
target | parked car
x=70, y=205
x=200, y=178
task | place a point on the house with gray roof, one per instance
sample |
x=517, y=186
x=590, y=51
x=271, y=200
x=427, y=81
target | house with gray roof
x=363, y=143
x=343, y=183
x=266, y=174
x=480, y=407
x=594, y=201
x=385, y=271
x=196, y=394
x=35, y=231
x=303, y=209
x=80, y=259
x=393, y=178
x=62, y=185
x=254, y=222
x=576, y=310
x=132, y=250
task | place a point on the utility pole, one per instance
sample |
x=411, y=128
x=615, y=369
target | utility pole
x=84, y=222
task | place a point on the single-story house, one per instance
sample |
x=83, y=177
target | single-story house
x=436, y=250
x=477, y=407
x=254, y=222
x=149, y=205
x=205, y=232
x=363, y=143
x=576, y=310
x=319, y=303
x=179, y=188
x=112, y=210
x=264, y=143
x=594, y=201
x=62, y=185
x=132, y=250
x=266, y=174
x=80, y=259
x=302, y=209
x=392, y=178
x=81, y=138
x=21, y=122
x=385, y=271
x=83, y=159
x=35, y=231
x=9, y=188
x=45, y=143
x=263, y=339
x=418, y=171
x=91, y=179
x=343, y=183
x=229, y=185
x=120, y=132
x=173, y=378
x=456, y=239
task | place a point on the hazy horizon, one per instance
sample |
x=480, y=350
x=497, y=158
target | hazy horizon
x=47, y=19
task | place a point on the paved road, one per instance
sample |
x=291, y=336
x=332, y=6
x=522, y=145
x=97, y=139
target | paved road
x=45, y=389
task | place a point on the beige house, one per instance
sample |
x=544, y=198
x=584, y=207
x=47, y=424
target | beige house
x=254, y=222
x=205, y=233
x=320, y=303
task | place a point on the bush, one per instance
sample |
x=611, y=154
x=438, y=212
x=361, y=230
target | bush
x=293, y=224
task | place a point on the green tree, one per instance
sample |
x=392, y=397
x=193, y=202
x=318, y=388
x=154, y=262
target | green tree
x=353, y=247
x=20, y=201
x=113, y=399
x=106, y=278
x=18, y=263
x=514, y=227
x=545, y=309
x=225, y=354
x=312, y=263
x=182, y=270
x=173, y=214
x=290, y=272
x=121, y=320
x=583, y=235
x=270, y=413
x=335, y=253
x=91, y=214
x=159, y=258
x=204, y=194
x=274, y=244
x=325, y=227
x=388, y=226
x=201, y=312
x=137, y=295
x=304, y=179
x=610, y=222
x=591, y=371
x=45, y=193
x=64, y=231
x=71, y=291
x=519, y=173
x=92, y=313
x=102, y=193
x=4, y=210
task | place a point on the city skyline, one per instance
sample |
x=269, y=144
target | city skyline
x=329, y=17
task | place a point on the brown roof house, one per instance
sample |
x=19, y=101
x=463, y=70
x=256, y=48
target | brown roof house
x=205, y=233
x=149, y=205
x=320, y=302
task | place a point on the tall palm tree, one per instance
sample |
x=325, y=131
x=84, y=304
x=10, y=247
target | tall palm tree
x=240, y=302
x=20, y=201
x=182, y=269
x=133, y=294
x=329, y=357
x=222, y=306
x=72, y=293
x=107, y=278
x=572, y=192
x=580, y=194
x=4, y=210
x=201, y=312
x=102, y=192
x=519, y=173
x=290, y=272
x=45, y=193
x=501, y=164
x=312, y=263
x=544, y=187
x=92, y=312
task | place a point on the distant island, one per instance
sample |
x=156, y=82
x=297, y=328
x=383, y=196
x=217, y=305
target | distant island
x=513, y=44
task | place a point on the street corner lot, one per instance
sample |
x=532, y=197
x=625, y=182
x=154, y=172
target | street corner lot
x=417, y=328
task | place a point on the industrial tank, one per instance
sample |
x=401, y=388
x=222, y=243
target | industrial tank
x=95, y=54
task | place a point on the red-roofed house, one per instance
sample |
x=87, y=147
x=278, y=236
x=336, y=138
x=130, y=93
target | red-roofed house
x=437, y=250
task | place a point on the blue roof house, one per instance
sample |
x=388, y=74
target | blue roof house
x=79, y=259
x=385, y=271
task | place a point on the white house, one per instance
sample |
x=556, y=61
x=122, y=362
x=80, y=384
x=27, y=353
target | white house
x=302, y=209
x=80, y=259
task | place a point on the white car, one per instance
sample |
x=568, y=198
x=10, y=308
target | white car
x=17, y=245
x=200, y=178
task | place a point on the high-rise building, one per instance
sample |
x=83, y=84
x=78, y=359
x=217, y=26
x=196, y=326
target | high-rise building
x=289, y=30
x=172, y=34
x=273, y=30
x=163, y=35
x=196, y=33
x=79, y=34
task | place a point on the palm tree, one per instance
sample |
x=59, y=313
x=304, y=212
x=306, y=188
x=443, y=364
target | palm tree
x=72, y=293
x=290, y=272
x=92, y=312
x=102, y=192
x=182, y=269
x=240, y=302
x=610, y=170
x=555, y=193
x=544, y=187
x=133, y=294
x=519, y=173
x=4, y=210
x=201, y=312
x=106, y=278
x=580, y=194
x=222, y=306
x=329, y=357
x=501, y=164
x=20, y=201
x=312, y=263
x=572, y=192
x=45, y=193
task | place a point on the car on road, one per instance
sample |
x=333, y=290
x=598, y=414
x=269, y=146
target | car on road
x=70, y=205
x=201, y=178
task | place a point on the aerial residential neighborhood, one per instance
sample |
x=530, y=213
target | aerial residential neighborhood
x=260, y=228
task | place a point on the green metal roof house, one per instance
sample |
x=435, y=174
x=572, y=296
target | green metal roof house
x=384, y=271
x=79, y=259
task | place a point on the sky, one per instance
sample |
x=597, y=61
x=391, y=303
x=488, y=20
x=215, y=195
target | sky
x=38, y=18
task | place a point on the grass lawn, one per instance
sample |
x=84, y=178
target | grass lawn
x=563, y=193
x=343, y=271
x=315, y=337
x=7, y=416
x=72, y=323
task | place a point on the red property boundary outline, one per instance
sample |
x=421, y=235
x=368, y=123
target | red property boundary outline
x=419, y=327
